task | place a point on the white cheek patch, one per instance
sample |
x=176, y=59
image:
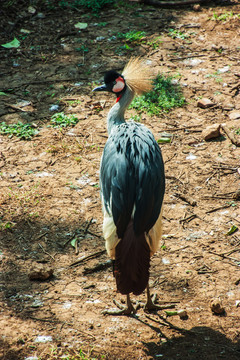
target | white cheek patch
x=119, y=86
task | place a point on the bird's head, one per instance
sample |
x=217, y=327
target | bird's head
x=136, y=76
x=113, y=82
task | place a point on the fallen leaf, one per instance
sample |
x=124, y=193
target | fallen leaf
x=171, y=313
x=81, y=26
x=164, y=140
x=25, y=31
x=73, y=242
x=232, y=230
x=12, y=44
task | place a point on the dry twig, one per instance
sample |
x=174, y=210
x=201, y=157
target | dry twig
x=225, y=256
x=88, y=257
x=230, y=135
x=186, y=198
x=218, y=208
x=188, y=218
x=46, y=251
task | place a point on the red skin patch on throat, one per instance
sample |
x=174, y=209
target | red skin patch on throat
x=118, y=98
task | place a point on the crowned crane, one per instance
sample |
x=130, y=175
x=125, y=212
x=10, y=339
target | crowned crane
x=132, y=184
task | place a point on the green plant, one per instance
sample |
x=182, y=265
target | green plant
x=121, y=49
x=164, y=96
x=82, y=48
x=23, y=36
x=74, y=102
x=131, y=36
x=136, y=118
x=78, y=159
x=225, y=16
x=7, y=225
x=62, y=120
x=155, y=42
x=218, y=79
x=176, y=34
x=103, y=24
x=215, y=76
x=49, y=93
x=237, y=131
x=23, y=131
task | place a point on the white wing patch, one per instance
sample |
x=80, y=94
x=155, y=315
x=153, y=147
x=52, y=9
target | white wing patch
x=109, y=234
x=111, y=239
x=154, y=235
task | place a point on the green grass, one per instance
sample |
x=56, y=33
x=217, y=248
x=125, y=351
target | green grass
x=82, y=48
x=176, y=34
x=120, y=50
x=103, y=24
x=163, y=97
x=23, y=131
x=131, y=36
x=61, y=120
x=136, y=118
x=155, y=42
x=74, y=102
x=225, y=16
x=8, y=225
x=215, y=76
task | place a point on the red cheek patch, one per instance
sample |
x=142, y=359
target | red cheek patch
x=119, y=86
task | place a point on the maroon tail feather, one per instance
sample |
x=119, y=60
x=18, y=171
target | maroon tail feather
x=131, y=268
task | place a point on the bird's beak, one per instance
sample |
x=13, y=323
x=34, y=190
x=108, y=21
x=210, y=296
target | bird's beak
x=102, y=88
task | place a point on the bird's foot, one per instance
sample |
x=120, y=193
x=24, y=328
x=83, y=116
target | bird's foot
x=123, y=310
x=152, y=306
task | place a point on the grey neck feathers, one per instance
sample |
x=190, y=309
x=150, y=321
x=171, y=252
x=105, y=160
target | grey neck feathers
x=116, y=114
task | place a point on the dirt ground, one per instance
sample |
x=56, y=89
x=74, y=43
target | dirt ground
x=49, y=193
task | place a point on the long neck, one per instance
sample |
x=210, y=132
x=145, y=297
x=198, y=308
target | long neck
x=116, y=114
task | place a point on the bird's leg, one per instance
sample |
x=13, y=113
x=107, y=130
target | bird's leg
x=123, y=309
x=150, y=305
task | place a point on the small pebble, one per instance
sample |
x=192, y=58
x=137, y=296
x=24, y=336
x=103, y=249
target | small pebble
x=197, y=7
x=54, y=108
x=217, y=307
x=43, y=339
x=234, y=115
x=224, y=69
x=40, y=272
x=205, y=103
x=211, y=132
x=182, y=314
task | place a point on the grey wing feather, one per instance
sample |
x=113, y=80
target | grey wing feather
x=132, y=177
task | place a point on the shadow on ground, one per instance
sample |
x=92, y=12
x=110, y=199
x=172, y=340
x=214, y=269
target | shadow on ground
x=195, y=344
